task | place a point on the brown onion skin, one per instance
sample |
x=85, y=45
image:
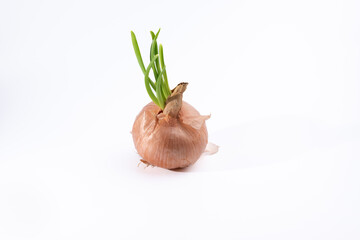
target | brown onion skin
x=169, y=142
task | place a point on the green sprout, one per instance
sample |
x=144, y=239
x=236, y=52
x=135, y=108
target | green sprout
x=159, y=90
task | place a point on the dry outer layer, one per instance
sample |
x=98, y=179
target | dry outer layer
x=168, y=142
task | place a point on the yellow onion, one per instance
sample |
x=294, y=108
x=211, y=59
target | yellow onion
x=168, y=132
x=170, y=139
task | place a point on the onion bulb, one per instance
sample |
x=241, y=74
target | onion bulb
x=168, y=132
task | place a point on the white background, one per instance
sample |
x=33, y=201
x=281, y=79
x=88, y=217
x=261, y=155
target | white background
x=280, y=78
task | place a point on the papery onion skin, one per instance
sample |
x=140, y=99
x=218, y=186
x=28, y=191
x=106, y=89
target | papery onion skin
x=168, y=142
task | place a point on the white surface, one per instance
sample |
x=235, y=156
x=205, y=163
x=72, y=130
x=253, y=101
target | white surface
x=280, y=78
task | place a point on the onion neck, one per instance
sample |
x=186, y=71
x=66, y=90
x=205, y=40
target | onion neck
x=174, y=101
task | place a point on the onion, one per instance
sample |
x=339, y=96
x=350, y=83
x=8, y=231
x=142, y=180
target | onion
x=168, y=132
